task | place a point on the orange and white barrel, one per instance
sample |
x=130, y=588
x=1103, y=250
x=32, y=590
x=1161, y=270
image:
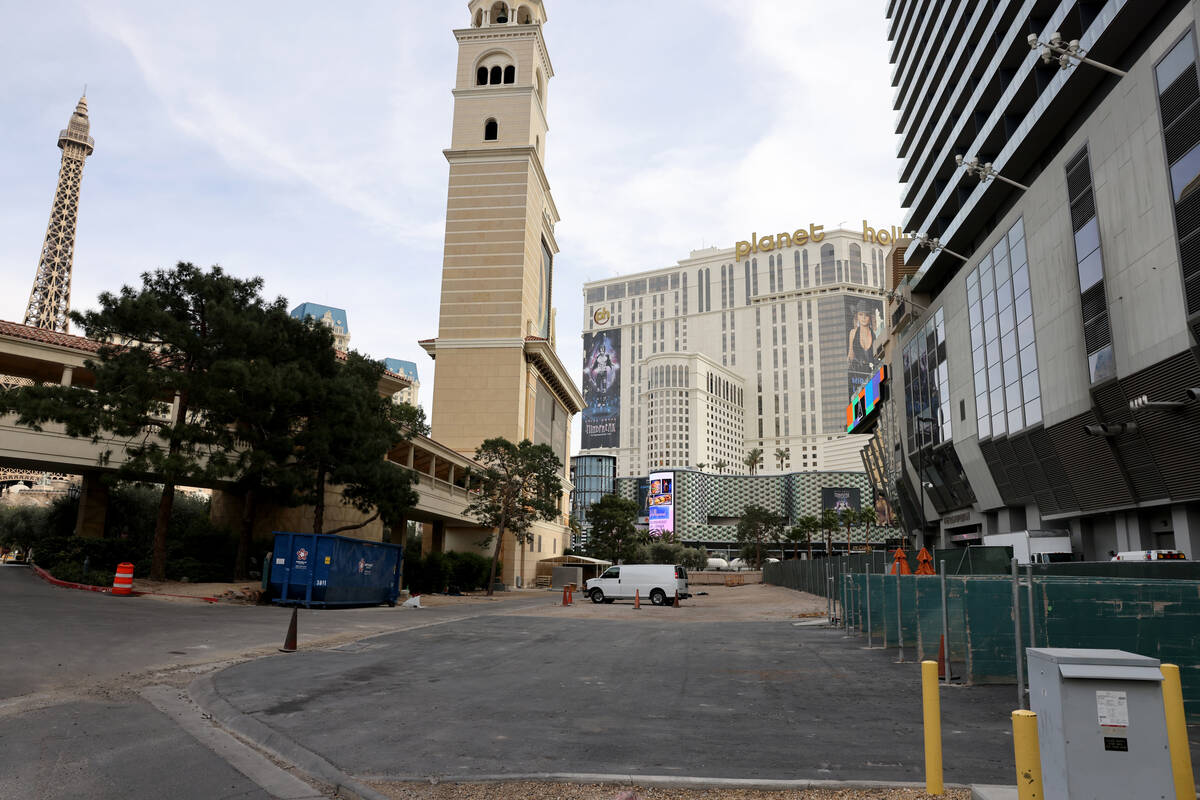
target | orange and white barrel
x=123, y=580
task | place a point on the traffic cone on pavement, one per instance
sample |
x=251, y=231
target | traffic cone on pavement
x=637, y=599
x=289, y=643
x=565, y=602
x=676, y=603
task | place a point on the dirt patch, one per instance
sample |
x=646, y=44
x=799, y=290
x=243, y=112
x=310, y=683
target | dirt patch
x=748, y=603
x=241, y=593
x=568, y=791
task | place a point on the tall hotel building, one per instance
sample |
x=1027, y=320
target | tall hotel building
x=1046, y=369
x=753, y=346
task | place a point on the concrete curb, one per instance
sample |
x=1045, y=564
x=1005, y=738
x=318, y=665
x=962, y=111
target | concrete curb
x=204, y=693
x=87, y=587
x=657, y=781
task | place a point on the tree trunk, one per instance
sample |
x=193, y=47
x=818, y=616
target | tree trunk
x=355, y=526
x=868, y=537
x=496, y=553
x=241, y=567
x=758, y=552
x=158, y=563
x=808, y=541
x=319, y=508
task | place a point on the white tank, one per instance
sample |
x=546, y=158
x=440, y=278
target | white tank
x=717, y=563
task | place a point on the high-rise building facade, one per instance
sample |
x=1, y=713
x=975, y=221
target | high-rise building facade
x=755, y=347
x=1047, y=358
x=50, y=299
x=592, y=477
x=408, y=369
x=333, y=318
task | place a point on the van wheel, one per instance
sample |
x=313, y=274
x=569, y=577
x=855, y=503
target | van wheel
x=658, y=597
x=597, y=596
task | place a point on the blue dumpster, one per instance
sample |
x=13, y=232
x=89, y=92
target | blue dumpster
x=325, y=570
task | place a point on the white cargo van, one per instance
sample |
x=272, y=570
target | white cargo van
x=654, y=582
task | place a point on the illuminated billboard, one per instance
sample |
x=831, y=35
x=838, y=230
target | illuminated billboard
x=866, y=399
x=847, y=326
x=661, y=504
x=601, y=389
x=837, y=498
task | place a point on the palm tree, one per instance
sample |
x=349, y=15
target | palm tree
x=828, y=523
x=720, y=466
x=867, y=517
x=803, y=531
x=848, y=517
x=781, y=455
x=753, y=459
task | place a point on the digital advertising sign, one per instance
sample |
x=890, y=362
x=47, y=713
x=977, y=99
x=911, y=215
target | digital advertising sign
x=864, y=401
x=839, y=499
x=661, y=503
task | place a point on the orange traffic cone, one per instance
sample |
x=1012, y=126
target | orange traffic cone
x=637, y=599
x=570, y=595
x=942, y=663
x=925, y=563
x=900, y=563
x=676, y=603
x=289, y=643
x=565, y=602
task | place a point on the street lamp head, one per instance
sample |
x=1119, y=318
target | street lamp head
x=1033, y=41
x=958, y=160
x=1055, y=39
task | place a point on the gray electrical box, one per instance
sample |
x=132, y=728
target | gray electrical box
x=1101, y=727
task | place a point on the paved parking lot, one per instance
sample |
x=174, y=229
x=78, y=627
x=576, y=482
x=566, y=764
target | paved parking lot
x=538, y=694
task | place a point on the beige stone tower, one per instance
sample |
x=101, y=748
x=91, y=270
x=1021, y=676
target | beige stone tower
x=497, y=373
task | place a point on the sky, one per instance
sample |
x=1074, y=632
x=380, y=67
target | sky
x=302, y=142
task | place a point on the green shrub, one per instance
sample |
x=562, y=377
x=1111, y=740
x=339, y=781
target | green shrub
x=468, y=571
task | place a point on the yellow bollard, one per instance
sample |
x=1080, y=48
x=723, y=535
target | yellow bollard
x=1177, y=738
x=933, y=728
x=1027, y=755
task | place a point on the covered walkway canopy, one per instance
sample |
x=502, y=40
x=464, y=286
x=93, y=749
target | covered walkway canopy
x=592, y=567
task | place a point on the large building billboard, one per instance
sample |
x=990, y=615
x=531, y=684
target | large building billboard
x=601, y=389
x=661, y=500
x=839, y=498
x=848, y=326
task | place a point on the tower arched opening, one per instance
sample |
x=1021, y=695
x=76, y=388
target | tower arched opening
x=478, y=21
x=524, y=16
x=497, y=75
x=500, y=13
x=491, y=131
x=510, y=74
x=481, y=76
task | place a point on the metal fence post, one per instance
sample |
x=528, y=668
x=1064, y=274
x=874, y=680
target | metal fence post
x=945, y=620
x=899, y=618
x=867, y=580
x=1016, y=599
x=1029, y=575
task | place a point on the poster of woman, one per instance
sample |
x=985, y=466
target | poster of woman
x=601, y=389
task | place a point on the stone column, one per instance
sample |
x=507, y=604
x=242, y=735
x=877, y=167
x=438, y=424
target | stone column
x=67, y=373
x=1185, y=518
x=93, y=507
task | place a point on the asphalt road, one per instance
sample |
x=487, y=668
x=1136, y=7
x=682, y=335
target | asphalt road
x=520, y=695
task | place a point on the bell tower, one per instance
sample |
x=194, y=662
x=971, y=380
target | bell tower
x=497, y=373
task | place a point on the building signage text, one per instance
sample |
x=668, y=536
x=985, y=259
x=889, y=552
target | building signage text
x=813, y=233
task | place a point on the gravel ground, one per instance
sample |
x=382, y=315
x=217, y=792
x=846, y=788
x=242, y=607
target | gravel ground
x=572, y=791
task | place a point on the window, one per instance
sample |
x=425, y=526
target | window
x=491, y=131
x=496, y=75
x=481, y=77
x=1097, y=334
x=510, y=74
x=1004, y=355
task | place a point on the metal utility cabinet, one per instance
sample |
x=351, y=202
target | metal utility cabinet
x=1101, y=726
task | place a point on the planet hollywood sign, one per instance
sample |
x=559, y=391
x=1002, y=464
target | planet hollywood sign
x=813, y=233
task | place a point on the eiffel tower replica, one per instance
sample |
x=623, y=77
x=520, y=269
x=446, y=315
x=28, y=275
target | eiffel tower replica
x=50, y=300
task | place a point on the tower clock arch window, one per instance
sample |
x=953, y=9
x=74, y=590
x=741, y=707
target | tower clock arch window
x=510, y=74
x=491, y=130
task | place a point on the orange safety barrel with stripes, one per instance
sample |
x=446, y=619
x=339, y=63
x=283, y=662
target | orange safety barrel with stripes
x=123, y=580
